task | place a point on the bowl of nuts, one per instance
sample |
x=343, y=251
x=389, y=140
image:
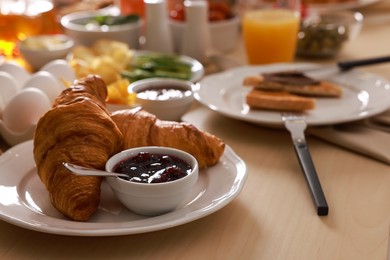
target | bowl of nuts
x=322, y=35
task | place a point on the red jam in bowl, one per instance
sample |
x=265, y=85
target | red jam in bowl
x=153, y=168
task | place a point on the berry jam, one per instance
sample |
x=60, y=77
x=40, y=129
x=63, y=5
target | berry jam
x=153, y=168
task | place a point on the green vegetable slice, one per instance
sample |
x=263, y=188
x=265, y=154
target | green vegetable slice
x=158, y=65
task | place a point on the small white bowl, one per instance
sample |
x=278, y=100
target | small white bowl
x=224, y=34
x=41, y=49
x=169, y=109
x=152, y=198
x=74, y=26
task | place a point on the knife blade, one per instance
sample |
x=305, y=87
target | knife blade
x=347, y=65
x=342, y=66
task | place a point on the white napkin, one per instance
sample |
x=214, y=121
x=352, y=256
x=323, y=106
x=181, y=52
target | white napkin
x=370, y=137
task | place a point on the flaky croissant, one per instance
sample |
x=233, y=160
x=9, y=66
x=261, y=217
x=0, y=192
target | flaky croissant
x=78, y=129
x=140, y=128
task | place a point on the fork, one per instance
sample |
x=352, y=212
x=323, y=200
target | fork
x=296, y=125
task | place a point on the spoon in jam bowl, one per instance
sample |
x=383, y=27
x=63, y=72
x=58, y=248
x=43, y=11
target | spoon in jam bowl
x=84, y=171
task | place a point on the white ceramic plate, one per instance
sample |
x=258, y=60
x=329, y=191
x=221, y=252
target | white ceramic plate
x=364, y=95
x=25, y=202
x=353, y=4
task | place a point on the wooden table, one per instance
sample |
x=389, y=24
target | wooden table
x=273, y=217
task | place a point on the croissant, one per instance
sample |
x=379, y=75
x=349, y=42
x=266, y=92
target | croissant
x=140, y=128
x=78, y=129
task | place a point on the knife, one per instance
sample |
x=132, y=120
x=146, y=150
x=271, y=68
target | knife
x=350, y=64
x=296, y=124
x=347, y=65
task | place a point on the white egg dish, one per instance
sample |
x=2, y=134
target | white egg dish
x=25, y=97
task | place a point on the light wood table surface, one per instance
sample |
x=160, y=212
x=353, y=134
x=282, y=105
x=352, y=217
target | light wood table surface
x=273, y=216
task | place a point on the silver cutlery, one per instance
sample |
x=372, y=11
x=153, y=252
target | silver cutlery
x=84, y=171
x=296, y=125
x=342, y=66
x=349, y=64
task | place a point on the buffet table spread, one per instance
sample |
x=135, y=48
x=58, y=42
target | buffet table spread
x=273, y=216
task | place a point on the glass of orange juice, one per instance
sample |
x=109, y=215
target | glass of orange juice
x=22, y=18
x=271, y=32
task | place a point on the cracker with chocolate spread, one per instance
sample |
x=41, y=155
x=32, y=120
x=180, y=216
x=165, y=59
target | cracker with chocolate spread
x=287, y=90
x=294, y=82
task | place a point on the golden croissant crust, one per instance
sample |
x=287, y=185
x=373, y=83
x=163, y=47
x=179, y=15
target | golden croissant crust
x=78, y=129
x=140, y=128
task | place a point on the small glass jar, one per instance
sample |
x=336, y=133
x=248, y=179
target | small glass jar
x=323, y=35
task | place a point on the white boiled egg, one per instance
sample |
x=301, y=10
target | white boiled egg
x=46, y=82
x=61, y=70
x=24, y=109
x=16, y=71
x=8, y=88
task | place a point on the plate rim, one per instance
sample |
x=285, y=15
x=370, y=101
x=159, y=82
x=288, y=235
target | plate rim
x=273, y=67
x=187, y=215
x=342, y=6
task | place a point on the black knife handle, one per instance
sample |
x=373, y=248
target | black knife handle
x=311, y=177
x=347, y=65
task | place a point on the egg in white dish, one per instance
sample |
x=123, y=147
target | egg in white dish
x=61, y=70
x=22, y=113
x=9, y=87
x=25, y=97
x=46, y=82
x=16, y=71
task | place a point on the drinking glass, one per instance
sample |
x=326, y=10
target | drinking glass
x=271, y=32
x=22, y=18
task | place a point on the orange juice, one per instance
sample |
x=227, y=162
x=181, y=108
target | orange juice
x=19, y=19
x=270, y=35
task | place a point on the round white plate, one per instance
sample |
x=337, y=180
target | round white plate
x=353, y=4
x=24, y=201
x=364, y=95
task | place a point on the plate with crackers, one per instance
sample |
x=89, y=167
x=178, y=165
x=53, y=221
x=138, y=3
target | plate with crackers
x=259, y=94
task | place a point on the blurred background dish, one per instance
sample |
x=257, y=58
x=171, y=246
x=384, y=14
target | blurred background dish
x=41, y=49
x=224, y=33
x=118, y=65
x=64, y=7
x=337, y=5
x=88, y=27
x=223, y=21
x=21, y=19
x=322, y=35
x=146, y=64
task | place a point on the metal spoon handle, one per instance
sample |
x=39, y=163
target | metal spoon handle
x=84, y=171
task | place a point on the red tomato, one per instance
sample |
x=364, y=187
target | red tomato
x=177, y=13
